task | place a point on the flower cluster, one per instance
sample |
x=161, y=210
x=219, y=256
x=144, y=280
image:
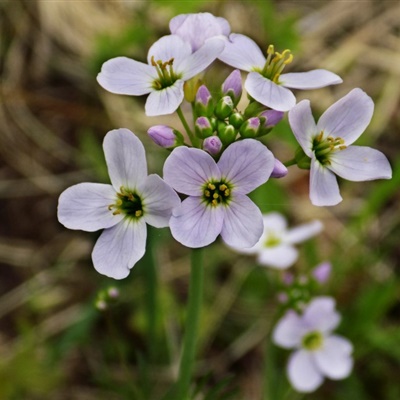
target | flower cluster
x=218, y=160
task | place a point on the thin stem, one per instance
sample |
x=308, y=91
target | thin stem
x=192, y=137
x=192, y=324
x=290, y=162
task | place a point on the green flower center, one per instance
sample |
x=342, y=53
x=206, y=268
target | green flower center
x=312, y=341
x=166, y=74
x=272, y=240
x=128, y=203
x=215, y=193
x=275, y=63
x=324, y=146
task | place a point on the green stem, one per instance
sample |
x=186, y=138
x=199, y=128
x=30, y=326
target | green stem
x=290, y=162
x=191, y=324
x=192, y=137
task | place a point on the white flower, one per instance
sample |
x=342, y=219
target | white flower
x=328, y=142
x=122, y=209
x=265, y=81
x=276, y=245
x=318, y=353
x=171, y=62
x=217, y=201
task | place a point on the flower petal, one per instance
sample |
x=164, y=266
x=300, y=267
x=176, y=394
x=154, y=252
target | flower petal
x=200, y=59
x=246, y=164
x=314, y=79
x=348, y=117
x=303, y=232
x=125, y=157
x=158, y=200
x=275, y=222
x=169, y=47
x=188, y=169
x=359, y=163
x=242, y=52
x=194, y=224
x=122, y=75
x=303, y=125
x=289, y=330
x=303, y=374
x=242, y=225
x=119, y=248
x=324, y=189
x=85, y=206
x=165, y=101
x=320, y=314
x=334, y=358
x=197, y=28
x=269, y=93
x=279, y=257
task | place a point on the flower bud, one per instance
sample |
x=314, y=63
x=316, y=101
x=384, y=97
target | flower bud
x=250, y=128
x=213, y=145
x=236, y=119
x=190, y=88
x=203, y=103
x=232, y=86
x=253, y=109
x=279, y=170
x=269, y=119
x=302, y=160
x=165, y=136
x=224, y=108
x=227, y=133
x=203, y=127
x=322, y=272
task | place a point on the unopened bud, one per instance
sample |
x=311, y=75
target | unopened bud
x=322, y=272
x=224, y=108
x=190, y=88
x=236, y=119
x=232, y=86
x=113, y=293
x=203, y=127
x=272, y=117
x=203, y=103
x=253, y=109
x=213, y=145
x=165, y=136
x=249, y=128
x=279, y=170
x=227, y=133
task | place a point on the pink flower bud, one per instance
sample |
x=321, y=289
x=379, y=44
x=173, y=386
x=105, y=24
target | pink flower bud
x=272, y=116
x=279, y=170
x=232, y=86
x=322, y=272
x=213, y=145
x=165, y=136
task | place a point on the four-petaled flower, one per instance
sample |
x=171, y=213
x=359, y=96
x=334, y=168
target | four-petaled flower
x=319, y=353
x=265, y=81
x=171, y=62
x=122, y=209
x=197, y=28
x=276, y=245
x=217, y=202
x=327, y=144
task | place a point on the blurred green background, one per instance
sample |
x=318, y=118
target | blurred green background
x=54, y=343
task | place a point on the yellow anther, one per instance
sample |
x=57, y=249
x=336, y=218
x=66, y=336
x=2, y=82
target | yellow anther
x=342, y=147
x=116, y=212
x=131, y=197
x=223, y=187
x=110, y=206
x=227, y=192
x=214, y=202
x=215, y=196
x=138, y=213
x=319, y=137
x=211, y=186
x=207, y=193
x=153, y=63
x=288, y=59
x=271, y=49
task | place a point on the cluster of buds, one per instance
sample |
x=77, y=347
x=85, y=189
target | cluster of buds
x=106, y=297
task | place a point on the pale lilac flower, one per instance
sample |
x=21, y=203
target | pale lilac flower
x=217, y=202
x=275, y=247
x=318, y=353
x=265, y=81
x=122, y=209
x=171, y=62
x=322, y=272
x=328, y=142
x=196, y=29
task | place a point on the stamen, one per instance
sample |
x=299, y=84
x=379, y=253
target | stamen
x=207, y=193
x=223, y=187
x=211, y=186
x=138, y=213
x=215, y=196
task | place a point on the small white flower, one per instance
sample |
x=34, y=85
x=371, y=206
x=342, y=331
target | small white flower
x=171, y=62
x=318, y=353
x=329, y=145
x=122, y=209
x=276, y=245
